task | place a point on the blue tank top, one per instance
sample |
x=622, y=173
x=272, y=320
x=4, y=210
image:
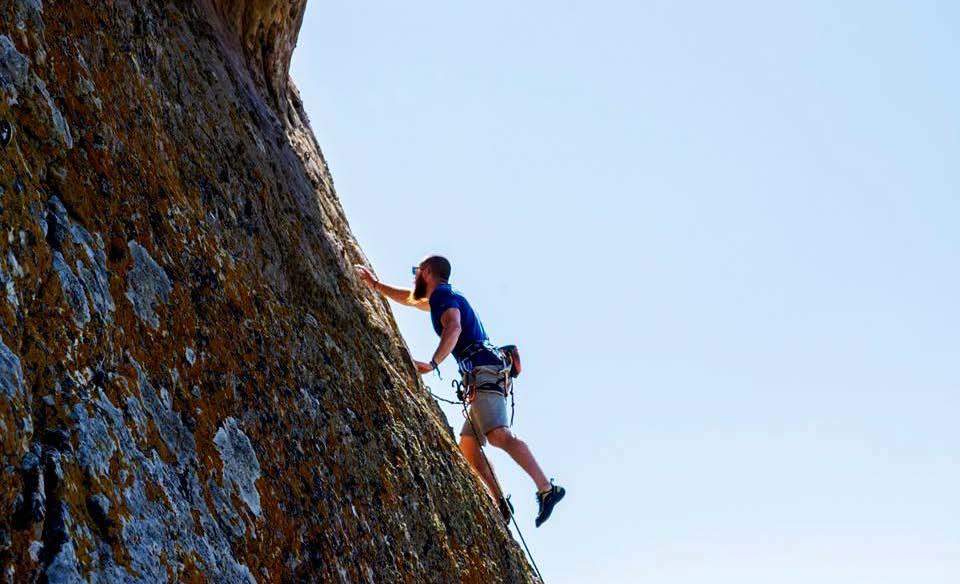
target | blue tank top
x=445, y=297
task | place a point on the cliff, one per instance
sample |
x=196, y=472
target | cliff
x=194, y=387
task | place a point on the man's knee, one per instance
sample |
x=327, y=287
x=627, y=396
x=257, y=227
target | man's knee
x=501, y=437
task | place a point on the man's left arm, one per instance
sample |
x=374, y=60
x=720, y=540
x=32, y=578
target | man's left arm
x=450, y=322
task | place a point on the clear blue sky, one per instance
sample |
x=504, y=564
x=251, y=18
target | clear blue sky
x=725, y=236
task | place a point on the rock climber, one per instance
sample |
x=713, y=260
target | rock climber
x=482, y=366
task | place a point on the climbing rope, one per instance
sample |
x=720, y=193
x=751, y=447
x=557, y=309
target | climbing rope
x=438, y=398
x=463, y=403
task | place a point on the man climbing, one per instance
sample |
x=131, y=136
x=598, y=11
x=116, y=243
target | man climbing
x=485, y=375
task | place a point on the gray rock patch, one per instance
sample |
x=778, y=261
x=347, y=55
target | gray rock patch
x=72, y=290
x=95, y=444
x=6, y=282
x=147, y=285
x=240, y=465
x=63, y=568
x=177, y=523
x=59, y=122
x=11, y=375
x=94, y=279
x=14, y=70
x=17, y=81
x=169, y=425
x=14, y=264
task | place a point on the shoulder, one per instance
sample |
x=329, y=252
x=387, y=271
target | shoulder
x=444, y=297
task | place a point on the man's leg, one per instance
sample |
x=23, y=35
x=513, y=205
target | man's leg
x=471, y=451
x=504, y=439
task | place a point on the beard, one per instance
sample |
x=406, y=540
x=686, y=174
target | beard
x=419, y=288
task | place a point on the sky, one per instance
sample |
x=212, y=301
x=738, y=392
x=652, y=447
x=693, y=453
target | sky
x=724, y=237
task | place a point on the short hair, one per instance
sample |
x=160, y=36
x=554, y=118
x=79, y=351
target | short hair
x=438, y=266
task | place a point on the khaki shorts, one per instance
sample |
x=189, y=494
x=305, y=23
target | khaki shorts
x=487, y=412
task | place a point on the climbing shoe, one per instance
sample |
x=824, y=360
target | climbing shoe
x=506, y=508
x=547, y=500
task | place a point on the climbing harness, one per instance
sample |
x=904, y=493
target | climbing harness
x=490, y=376
x=466, y=391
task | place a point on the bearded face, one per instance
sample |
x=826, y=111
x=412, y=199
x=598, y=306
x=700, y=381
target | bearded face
x=419, y=286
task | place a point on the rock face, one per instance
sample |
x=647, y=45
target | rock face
x=194, y=387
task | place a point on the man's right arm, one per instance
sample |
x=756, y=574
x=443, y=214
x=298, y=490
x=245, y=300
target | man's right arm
x=400, y=295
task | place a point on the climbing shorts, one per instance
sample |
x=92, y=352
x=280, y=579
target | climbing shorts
x=487, y=411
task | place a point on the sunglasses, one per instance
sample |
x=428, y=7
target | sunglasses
x=415, y=269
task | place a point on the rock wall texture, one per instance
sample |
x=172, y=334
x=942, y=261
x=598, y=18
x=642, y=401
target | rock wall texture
x=194, y=387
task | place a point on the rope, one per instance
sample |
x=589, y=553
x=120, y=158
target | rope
x=438, y=398
x=496, y=481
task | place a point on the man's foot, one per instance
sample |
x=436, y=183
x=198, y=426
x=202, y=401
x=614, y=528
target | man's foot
x=546, y=500
x=506, y=508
